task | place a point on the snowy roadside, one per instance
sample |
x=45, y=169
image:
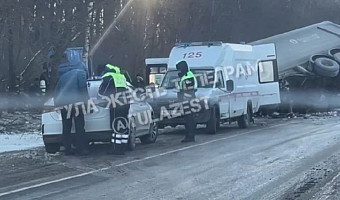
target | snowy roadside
x=20, y=131
x=17, y=142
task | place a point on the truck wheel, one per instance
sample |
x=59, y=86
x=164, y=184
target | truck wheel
x=244, y=120
x=52, y=148
x=213, y=123
x=337, y=57
x=324, y=66
x=152, y=136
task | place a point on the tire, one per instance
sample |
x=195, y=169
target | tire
x=152, y=136
x=335, y=54
x=337, y=57
x=213, y=123
x=325, y=66
x=244, y=120
x=52, y=148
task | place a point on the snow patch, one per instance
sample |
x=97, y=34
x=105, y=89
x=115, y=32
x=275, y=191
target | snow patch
x=16, y=142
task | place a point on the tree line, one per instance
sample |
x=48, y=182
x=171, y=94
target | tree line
x=35, y=33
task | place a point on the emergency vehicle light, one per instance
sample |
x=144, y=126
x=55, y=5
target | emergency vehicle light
x=188, y=44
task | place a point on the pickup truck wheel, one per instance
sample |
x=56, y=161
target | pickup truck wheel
x=244, y=120
x=52, y=148
x=213, y=123
x=327, y=67
x=152, y=136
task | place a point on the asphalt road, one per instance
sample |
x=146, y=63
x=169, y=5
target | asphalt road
x=273, y=159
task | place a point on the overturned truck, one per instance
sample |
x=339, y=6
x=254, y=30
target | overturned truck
x=309, y=63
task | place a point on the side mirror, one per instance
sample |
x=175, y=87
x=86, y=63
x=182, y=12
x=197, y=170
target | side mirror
x=230, y=85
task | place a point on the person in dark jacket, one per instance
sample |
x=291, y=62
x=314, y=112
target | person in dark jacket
x=71, y=90
x=114, y=83
x=139, y=82
x=187, y=87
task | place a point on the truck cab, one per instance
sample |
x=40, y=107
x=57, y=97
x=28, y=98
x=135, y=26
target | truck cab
x=235, y=80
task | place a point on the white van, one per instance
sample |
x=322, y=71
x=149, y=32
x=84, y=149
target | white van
x=235, y=79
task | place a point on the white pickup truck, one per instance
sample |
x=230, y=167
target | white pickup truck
x=242, y=78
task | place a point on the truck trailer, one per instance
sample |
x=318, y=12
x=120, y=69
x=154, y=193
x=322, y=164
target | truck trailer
x=308, y=62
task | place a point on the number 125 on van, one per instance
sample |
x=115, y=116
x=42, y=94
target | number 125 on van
x=191, y=55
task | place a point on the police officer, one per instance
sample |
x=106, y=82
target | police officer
x=114, y=83
x=187, y=88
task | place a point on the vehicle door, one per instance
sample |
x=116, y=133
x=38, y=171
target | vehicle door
x=140, y=111
x=98, y=119
x=268, y=76
x=223, y=95
x=268, y=82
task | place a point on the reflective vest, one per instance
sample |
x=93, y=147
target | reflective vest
x=119, y=79
x=117, y=69
x=189, y=75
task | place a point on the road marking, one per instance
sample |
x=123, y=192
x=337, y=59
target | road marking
x=51, y=182
x=133, y=161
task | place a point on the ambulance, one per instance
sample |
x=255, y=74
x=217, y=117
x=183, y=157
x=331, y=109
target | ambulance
x=234, y=79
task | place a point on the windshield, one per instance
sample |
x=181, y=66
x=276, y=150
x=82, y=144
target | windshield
x=205, y=78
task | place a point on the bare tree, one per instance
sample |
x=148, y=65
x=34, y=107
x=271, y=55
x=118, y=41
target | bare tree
x=32, y=31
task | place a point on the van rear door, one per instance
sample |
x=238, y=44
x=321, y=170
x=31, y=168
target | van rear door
x=268, y=78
